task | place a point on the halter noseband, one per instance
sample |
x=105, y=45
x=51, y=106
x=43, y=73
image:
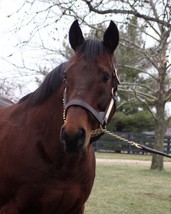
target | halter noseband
x=101, y=116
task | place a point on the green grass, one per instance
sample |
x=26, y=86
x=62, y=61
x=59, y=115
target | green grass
x=126, y=156
x=130, y=189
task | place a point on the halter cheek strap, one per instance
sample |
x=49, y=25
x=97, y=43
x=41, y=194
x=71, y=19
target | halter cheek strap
x=110, y=107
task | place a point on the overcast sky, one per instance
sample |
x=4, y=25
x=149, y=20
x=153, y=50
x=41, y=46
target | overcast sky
x=14, y=51
x=30, y=55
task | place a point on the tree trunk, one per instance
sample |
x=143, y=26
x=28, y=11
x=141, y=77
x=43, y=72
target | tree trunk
x=160, y=130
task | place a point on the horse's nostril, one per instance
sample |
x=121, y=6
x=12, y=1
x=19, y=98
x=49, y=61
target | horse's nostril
x=64, y=136
x=74, y=137
x=81, y=133
x=73, y=142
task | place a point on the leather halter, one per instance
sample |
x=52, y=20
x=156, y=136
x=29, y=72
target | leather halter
x=101, y=116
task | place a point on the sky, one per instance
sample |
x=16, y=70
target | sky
x=6, y=40
x=10, y=54
x=16, y=29
x=14, y=50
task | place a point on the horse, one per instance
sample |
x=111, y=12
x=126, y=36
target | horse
x=47, y=161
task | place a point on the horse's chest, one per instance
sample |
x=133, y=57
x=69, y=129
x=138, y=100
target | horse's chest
x=66, y=196
x=53, y=196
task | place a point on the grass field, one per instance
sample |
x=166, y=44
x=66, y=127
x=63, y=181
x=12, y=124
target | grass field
x=129, y=189
x=126, y=156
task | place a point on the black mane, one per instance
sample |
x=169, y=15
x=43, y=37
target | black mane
x=51, y=83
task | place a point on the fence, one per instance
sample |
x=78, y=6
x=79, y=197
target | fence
x=108, y=144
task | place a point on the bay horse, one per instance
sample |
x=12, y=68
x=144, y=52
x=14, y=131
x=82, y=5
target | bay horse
x=47, y=162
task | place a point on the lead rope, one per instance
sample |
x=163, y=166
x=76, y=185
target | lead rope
x=102, y=130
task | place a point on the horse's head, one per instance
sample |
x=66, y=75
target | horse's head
x=90, y=85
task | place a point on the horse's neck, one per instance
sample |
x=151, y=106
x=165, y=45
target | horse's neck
x=45, y=122
x=50, y=113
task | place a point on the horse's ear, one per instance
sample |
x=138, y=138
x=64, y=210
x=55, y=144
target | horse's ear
x=75, y=35
x=111, y=37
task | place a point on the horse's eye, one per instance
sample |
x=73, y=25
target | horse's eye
x=106, y=76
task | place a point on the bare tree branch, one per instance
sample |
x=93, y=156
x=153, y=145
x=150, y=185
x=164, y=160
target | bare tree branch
x=129, y=12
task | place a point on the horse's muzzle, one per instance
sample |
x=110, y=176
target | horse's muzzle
x=73, y=142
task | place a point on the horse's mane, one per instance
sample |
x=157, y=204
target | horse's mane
x=51, y=83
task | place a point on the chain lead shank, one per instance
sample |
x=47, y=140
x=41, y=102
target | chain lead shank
x=132, y=143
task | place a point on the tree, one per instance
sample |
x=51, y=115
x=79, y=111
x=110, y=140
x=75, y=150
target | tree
x=132, y=115
x=153, y=19
x=7, y=89
x=137, y=122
